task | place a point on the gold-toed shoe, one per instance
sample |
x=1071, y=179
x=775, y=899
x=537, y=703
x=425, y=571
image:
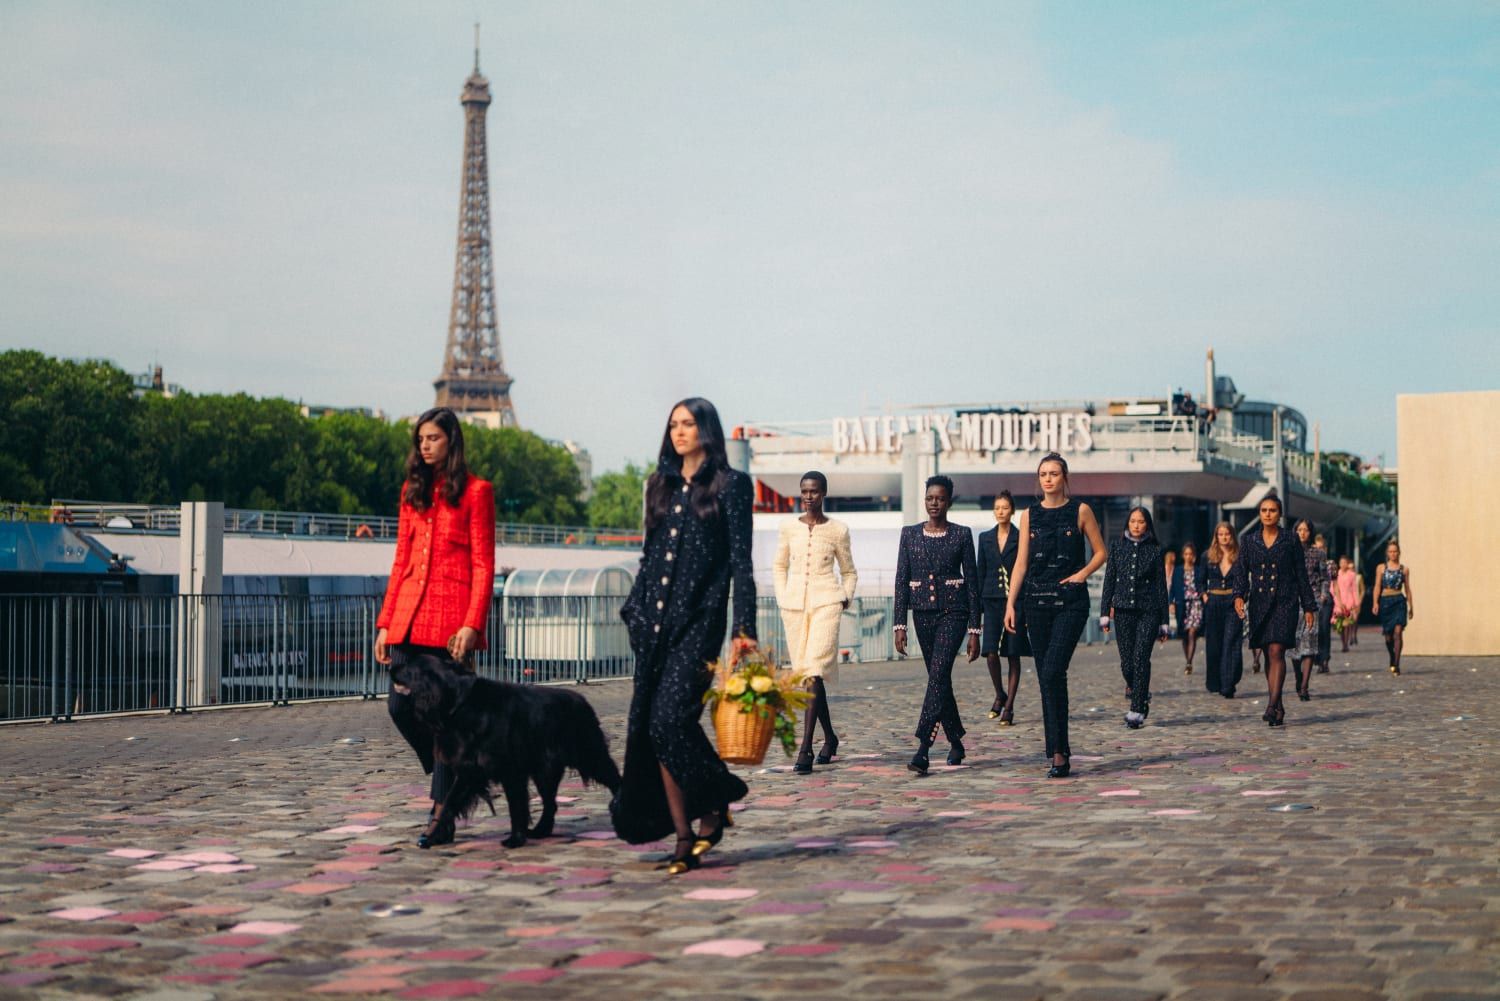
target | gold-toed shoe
x=703, y=843
x=684, y=858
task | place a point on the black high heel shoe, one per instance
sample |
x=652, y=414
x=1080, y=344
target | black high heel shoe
x=997, y=707
x=918, y=762
x=1007, y=716
x=956, y=752
x=1060, y=771
x=683, y=858
x=1278, y=715
x=828, y=750
x=803, y=764
x=704, y=842
x=437, y=834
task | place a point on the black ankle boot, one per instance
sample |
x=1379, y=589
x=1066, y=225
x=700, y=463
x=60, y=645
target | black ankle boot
x=956, y=752
x=918, y=762
x=803, y=764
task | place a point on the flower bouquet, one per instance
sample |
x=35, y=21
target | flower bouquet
x=1343, y=618
x=751, y=702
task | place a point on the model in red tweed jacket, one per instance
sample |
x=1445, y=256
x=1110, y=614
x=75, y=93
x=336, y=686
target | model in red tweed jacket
x=444, y=572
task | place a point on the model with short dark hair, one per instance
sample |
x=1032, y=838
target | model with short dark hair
x=1052, y=577
x=997, y=561
x=437, y=600
x=1270, y=584
x=698, y=531
x=935, y=580
x=1134, y=604
x=812, y=600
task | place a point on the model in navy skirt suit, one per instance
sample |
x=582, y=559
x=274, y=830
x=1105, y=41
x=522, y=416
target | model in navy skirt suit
x=1270, y=587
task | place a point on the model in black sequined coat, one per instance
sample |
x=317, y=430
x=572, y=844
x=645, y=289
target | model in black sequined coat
x=1273, y=583
x=676, y=615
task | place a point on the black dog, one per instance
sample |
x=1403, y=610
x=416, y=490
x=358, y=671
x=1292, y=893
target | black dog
x=492, y=731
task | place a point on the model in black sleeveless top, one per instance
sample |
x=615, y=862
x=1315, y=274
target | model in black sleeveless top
x=1051, y=578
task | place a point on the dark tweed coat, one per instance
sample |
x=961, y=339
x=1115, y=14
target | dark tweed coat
x=677, y=615
x=1274, y=584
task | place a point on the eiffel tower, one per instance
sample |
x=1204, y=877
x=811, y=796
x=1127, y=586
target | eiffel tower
x=474, y=383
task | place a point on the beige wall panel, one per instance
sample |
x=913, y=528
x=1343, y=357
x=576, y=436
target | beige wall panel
x=1449, y=462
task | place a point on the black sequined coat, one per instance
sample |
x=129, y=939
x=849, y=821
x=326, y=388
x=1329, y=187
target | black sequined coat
x=1135, y=578
x=677, y=615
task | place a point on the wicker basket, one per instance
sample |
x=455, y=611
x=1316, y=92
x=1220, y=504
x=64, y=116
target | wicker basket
x=742, y=737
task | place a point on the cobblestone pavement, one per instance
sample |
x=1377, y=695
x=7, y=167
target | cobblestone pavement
x=238, y=853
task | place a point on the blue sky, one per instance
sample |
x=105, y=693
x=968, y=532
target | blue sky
x=799, y=210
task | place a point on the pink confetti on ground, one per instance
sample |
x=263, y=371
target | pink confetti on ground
x=353, y=829
x=449, y=989
x=956, y=813
x=1019, y=924
x=611, y=960
x=1263, y=792
x=873, y=844
x=1174, y=812
x=808, y=949
x=225, y=867
x=165, y=865
x=816, y=843
x=361, y=985
x=732, y=948
x=313, y=888
x=719, y=893
x=205, y=857
x=132, y=853
x=265, y=928
x=534, y=975
x=1121, y=792
x=83, y=913
x=598, y=835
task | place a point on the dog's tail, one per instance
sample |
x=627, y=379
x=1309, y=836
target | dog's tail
x=593, y=761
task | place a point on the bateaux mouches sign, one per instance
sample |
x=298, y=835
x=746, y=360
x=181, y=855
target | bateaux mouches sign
x=969, y=431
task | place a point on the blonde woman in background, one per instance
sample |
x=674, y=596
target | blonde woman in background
x=812, y=600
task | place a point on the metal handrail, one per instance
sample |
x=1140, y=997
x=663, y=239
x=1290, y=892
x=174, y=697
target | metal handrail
x=167, y=519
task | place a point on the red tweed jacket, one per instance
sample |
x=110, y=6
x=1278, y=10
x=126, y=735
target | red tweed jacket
x=444, y=572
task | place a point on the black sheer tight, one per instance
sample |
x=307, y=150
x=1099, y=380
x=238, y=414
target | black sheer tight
x=1275, y=672
x=1189, y=644
x=1005, y=691
x=816, y=715
x=1304, y=674
x=1393, y=643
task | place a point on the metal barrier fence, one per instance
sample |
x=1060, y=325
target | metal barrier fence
x=167, y=518
x=65, y=656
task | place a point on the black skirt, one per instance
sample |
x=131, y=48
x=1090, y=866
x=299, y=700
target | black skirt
x=995, y=639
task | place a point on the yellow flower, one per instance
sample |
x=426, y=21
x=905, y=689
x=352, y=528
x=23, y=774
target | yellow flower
x=762, y=684
x=735, y=686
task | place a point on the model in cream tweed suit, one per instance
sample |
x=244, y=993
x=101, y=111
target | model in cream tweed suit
x=809, y=594
x=812, y=600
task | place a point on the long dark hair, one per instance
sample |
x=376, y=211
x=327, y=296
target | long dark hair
x=454, y=472
x=707, y=483
x=1150, y=535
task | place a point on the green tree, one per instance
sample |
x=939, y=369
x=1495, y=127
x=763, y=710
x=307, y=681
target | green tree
x=535, y=482
x=65, y=428
x=618, y=498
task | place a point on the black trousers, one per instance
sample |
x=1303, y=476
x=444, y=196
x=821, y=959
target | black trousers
x=418, y=736
x=941, y=635
x=1054, y=633
x=1135, y=634
x=1223, y=645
